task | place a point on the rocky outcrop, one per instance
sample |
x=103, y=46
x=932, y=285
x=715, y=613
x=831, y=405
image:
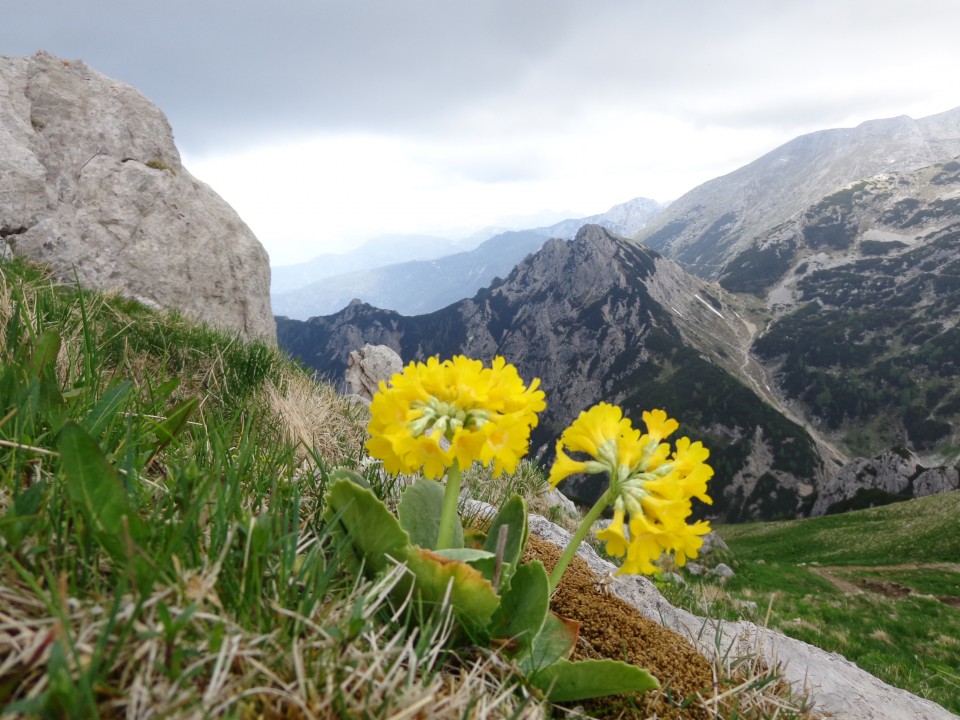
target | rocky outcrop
x=891, y=476
x=91, y=183
x=367, y=367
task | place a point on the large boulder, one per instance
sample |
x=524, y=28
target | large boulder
x=91, y=183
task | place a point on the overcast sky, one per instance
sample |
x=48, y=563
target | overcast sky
x=324, y=123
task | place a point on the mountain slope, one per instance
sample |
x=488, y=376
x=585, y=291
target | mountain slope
x=710, y=225
x=602, y=318
x=865, y=337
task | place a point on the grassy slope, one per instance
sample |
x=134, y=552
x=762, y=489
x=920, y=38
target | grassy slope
x=911, y=641
x=161, y=545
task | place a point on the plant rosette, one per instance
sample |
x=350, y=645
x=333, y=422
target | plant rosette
x=439, y=417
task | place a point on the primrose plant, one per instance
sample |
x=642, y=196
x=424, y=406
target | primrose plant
x=437, y=418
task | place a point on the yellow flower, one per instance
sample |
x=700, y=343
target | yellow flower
x=614, y=536
x=437, y=413
x=648, y=480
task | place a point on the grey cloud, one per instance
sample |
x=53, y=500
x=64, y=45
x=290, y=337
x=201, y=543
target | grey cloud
x=226, y=71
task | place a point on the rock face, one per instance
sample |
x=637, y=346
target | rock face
x=92, y=183
x=601, y=318
x=890, y=477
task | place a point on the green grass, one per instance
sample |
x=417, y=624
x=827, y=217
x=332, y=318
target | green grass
x=899, y=559
x=161, y=541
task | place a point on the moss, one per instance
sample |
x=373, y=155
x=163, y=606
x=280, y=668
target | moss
x=160, y=165
x=614, y=629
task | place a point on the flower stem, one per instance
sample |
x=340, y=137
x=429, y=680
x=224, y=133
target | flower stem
x=448, y=513
x=591, y=517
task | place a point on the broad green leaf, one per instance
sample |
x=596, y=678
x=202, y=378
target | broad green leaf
x=370, y=529
x=554, y=642
x=351, y=475
x=524, y=606
x=22, y=513
x=107, y=408
x=420, y=507
x=44, y=358
x=168, y=429
x=93, y=487
x=566, y=681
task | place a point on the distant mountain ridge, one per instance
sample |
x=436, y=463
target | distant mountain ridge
x=705, y=229
x=421, y=286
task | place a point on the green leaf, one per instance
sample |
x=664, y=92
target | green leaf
x=524, y=606
x=554, y=642
x=167, y=430
x=351, y=475
x=566, y=681
x=107, y=408
x=471, y=595
x=45, y=352
x=513, y=515
x=420, y=508
x=94, y=488
x=22, y=513
x=371, y=530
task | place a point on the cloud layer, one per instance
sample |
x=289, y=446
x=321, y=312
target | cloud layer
x=483, y=106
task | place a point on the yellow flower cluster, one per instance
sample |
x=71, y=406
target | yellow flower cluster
x=436, y=413
x=648, y=483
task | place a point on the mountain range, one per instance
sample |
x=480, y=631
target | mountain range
x=798, y=320
x=430, y=282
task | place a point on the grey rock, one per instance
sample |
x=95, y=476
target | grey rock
x=722, y=570
x=712, y=543
x=695, y=569
x=369, y=365
x=555, y=498
x=890, y=471
x=92, y=183
x=936, y=480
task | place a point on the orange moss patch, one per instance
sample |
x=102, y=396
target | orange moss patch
x=610, y=627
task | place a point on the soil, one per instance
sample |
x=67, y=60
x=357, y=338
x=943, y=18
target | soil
x=886, y=588
x=610, y=627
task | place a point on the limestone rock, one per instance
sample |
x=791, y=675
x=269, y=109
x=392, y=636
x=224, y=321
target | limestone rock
x=367, y=367
x=91, y=182
x=936, y=480
x=722, y=571
x=890, y=472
